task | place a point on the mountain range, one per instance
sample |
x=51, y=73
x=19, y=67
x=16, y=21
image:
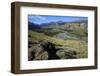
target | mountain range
x=60, y=24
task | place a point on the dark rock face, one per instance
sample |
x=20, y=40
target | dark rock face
x=32, y=55
x=51, y=50
x=43, y=51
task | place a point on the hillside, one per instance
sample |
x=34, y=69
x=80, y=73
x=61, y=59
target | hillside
x=76, y=30
x=58, y=40
x=66, y=47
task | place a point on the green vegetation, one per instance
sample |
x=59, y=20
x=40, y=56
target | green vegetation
x=80, y=47
x=58, y=40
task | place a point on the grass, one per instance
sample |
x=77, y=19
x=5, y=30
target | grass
x=78, y=45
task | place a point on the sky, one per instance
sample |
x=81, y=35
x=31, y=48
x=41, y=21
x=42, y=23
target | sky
x=38, y=19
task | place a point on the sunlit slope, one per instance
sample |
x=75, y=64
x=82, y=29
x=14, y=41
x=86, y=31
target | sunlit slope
x=79, y=46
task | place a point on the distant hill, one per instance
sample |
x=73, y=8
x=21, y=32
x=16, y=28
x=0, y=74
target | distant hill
x=81, y=24
x=33, y=26
x=80, y=21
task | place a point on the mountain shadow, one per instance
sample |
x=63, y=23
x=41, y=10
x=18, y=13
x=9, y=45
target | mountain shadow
x=33, y=26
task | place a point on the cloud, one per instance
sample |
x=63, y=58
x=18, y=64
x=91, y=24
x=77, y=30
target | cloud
x=40, y=17
x=36, y=17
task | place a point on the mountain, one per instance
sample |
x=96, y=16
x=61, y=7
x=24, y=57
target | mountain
x=80, y=21
x=74, y=25
x=33, y=26
x=70, y=39
x=80, y=24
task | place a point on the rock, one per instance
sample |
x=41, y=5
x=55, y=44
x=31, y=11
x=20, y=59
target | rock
x=67, y=53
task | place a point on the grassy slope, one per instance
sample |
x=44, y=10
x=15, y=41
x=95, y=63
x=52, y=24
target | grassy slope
x=80, y=46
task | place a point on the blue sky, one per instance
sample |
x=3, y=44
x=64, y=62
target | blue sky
x=38, y=19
